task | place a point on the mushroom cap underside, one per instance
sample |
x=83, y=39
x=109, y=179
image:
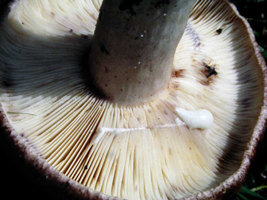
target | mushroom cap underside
x=137, y=152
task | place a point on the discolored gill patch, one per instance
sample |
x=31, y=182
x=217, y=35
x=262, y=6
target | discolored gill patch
x=178, y=73
x=210, y=72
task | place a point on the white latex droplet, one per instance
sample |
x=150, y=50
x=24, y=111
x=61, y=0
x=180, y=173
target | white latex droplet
x=98, y=135
x=202, y=119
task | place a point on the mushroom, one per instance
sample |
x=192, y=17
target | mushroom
x=120, y=110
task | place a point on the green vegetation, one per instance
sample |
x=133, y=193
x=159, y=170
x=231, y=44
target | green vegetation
x=255, y=187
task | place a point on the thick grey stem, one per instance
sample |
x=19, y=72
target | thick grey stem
x=131, y=58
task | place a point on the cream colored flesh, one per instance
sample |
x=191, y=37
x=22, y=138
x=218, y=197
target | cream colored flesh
x=47, y=102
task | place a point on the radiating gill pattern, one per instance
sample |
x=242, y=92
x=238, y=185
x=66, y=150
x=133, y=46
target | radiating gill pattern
x=47, y=102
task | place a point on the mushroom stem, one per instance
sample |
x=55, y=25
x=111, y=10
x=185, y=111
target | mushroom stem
x=131, y=58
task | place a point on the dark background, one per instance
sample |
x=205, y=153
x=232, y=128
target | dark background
x=16, y=184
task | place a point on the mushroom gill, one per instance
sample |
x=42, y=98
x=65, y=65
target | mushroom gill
x=131, y=151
